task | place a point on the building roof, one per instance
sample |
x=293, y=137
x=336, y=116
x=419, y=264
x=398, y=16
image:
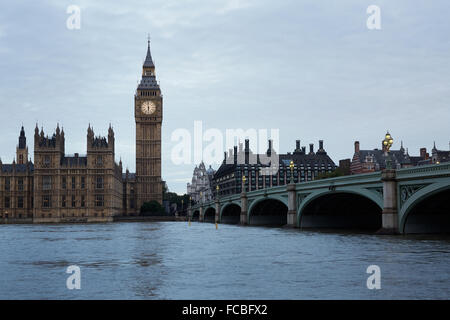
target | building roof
x=131, y=176
x=379, y=157
x=8, y=168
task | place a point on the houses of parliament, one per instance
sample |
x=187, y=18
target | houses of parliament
x=87, y=188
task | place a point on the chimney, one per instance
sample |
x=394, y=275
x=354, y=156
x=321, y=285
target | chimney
x=321, y=145
x=356, y=146
x=235, y=154
x=297, y=145
x=247, y=145
x=269, y=151
x=304, y=150
x=311, y=148
x=423, y=153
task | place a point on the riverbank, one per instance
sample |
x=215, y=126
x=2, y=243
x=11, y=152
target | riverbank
x=84, y=220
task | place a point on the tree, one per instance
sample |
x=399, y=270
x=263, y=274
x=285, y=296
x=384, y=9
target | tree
x=152, y=208
x=336, y=173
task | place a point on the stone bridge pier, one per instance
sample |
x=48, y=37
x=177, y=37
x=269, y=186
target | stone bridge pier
x=390, y=210
x=292, y=206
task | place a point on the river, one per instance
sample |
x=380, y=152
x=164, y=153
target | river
x=172, y=260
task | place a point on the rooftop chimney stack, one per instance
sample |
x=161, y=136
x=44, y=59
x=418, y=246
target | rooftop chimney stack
x=311, y=148
x=356, y=146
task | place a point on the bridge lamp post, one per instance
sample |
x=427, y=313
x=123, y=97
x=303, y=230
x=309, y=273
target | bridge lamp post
x=387, y=143
x=217, y=192
x=291, y=165
x=201, y=197
x=243, y=183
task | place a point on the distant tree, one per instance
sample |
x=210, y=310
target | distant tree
x=152, y=208
x=336, y=173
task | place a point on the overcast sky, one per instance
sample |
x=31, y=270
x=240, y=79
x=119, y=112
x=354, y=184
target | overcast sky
x=309, y=68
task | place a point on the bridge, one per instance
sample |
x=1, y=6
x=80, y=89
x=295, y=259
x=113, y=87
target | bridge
x=402, y=201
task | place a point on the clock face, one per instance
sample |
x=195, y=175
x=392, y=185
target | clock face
x=148, y=107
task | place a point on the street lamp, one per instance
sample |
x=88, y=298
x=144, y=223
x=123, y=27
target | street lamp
x=243, y=183
x=217, y=191
x=387, y=143
x=291, y=165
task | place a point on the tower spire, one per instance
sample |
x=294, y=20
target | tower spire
x=148, y=63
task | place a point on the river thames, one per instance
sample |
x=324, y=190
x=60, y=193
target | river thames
x=171, y=260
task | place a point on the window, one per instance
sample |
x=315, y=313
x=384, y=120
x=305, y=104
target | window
x=99, y=184
x=20, y=184
x=99, y=160
x=74, y=203
x=47, y=201
x=73, y=183
x=64, y=182
x=83, y=182
x=63, y=201
x=47, y=161
x=7, y=202
x=46, y=182
x=99, y=200
x=83, y=202
x=19, y=202
x=7, y=184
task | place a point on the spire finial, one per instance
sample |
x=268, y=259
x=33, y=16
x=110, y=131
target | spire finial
x=148, y=39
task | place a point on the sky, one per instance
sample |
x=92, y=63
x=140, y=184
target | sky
x=311, y=69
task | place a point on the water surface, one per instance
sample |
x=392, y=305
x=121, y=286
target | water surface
x=170, y=260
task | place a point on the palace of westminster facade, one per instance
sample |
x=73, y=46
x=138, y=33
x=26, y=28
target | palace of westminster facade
x=92, y=187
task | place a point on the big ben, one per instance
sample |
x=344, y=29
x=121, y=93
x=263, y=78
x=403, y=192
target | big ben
x=148, y=112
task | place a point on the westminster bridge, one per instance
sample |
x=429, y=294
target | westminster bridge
x=409, y=200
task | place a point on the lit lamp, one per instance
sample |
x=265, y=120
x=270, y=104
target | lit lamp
x=217, y=191
x=243, y=183
x=291, y=165
x=387, y=143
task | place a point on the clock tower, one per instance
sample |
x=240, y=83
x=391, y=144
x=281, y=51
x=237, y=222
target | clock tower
x=148, y=113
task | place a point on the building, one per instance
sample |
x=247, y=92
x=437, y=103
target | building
x=242, y=162
x=90, y=187
x=200, y=188
x=17, y=184
x=148, y=113
x=439, y=156
x=364, y=161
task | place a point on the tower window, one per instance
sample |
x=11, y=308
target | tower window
x=46, y=161
x=99, y=184
x=7, y=202
x=99, y=200
x=46, y=182
x=46, y=201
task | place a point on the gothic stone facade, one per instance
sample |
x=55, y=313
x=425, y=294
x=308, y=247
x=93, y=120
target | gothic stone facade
x=92, y=187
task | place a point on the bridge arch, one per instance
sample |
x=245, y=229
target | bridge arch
x=230, y=213
x=209, y=215
x=341, y=209
x=427, y=210
x=196, y=215
x=269, y=211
